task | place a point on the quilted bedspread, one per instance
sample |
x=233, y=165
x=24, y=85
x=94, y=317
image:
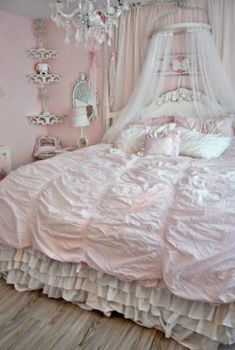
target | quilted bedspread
x=155, y=219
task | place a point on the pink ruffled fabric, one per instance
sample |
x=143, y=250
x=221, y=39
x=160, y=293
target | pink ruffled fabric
x=221, y=126
x=145, y=218
x=165, y=144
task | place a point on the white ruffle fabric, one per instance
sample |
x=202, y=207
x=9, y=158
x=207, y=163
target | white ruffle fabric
x=196, y=325
x=144, y=218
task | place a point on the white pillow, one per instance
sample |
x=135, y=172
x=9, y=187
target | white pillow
x=132, y=139
x=198, y=145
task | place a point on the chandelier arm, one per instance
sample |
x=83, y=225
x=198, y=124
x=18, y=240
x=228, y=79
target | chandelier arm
x=68, y=15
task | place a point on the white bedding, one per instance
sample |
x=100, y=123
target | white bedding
x=137, y=218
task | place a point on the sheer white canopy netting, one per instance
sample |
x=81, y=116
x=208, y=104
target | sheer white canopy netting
x=180, y=56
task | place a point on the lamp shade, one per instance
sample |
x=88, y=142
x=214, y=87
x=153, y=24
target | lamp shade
x=79, y=118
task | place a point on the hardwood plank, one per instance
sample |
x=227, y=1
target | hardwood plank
x=18, y=336
x=32, y=321
x=120, y=334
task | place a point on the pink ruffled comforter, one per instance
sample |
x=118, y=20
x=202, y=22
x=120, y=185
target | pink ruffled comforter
x=144, y=218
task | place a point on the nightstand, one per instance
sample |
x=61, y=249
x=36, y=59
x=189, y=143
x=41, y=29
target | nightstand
x=51, y=154
x=5, y=161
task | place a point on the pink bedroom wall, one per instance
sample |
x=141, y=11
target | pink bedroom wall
x=20, y=97
x=72, y=60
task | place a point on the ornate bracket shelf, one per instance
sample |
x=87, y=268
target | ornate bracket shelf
x=44, y=79
x=45, y=119
x=41, y=54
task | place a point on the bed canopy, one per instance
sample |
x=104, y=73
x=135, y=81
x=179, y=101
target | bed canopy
x=182, y=55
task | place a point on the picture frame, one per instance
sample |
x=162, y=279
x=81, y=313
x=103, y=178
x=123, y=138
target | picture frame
x=177, y=64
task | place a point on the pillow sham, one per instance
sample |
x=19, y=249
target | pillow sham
x=131, y=139
x=198, y=145
x=221, y=126
x=166, y=119
x=164, y=143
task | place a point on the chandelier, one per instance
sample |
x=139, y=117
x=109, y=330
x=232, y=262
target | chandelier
x=93, y=21
x=90, y=20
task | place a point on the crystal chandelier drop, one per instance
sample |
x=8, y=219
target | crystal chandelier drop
x=90, y=20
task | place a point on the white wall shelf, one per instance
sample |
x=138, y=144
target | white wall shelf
x=41, y=54
x=44, y=79
x=46, y=119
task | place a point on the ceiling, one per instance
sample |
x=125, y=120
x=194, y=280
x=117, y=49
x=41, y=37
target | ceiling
x=27, y=8
x=40, y=8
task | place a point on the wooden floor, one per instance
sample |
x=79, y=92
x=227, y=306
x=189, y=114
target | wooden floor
x=32, y=321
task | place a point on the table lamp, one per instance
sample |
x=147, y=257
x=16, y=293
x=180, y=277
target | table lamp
x=81, y=120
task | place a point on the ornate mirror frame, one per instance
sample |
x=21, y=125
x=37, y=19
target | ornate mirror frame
x=82, y=96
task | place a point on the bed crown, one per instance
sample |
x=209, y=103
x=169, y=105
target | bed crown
x=180, y=95
x=174, y=102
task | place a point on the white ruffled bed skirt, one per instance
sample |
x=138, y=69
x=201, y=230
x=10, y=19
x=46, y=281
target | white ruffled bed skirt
x=196, y=325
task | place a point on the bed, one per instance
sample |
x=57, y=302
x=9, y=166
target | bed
x=149, y=237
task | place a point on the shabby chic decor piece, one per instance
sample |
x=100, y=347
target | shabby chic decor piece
x=172, y=97
x=45, y=119
x=46, y=146
x=40, y=53
x=43, y=77
x=94, y=20
x=199, y=69
x=83, y=105
x=82, y=95
x=91, y=19
x=177, y=64
x=179, y=95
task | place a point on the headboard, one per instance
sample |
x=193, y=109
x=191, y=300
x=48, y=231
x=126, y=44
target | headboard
x=171, y=103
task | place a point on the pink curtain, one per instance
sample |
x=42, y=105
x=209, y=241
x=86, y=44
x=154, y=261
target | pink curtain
x=112, y=78
x=93, y=80
x=222, y=19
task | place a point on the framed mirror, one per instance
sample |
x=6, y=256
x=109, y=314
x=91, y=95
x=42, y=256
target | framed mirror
x=83, y=97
